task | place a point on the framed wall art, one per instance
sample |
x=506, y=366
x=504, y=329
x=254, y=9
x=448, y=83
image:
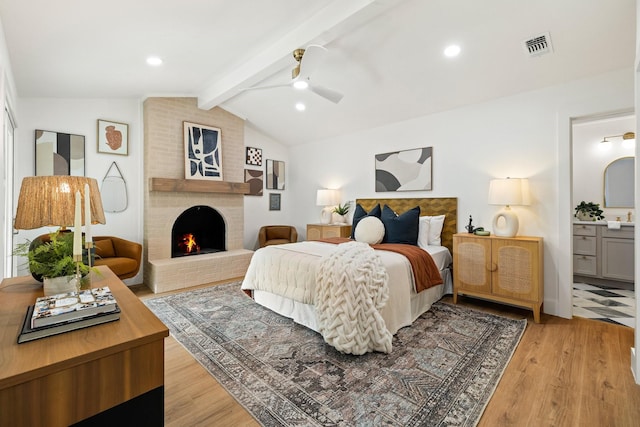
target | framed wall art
x=113, y=137
x=408, y=170
x=253, y=156
x=202, y=152
x=59, y=153
x=274, y=201
x=275, y=175
x=255, y=178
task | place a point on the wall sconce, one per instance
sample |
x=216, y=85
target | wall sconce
x=327, y=198
x=508, y=192
x=628, y=139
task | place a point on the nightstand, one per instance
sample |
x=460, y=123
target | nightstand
x=322, y=231
x=502, y=269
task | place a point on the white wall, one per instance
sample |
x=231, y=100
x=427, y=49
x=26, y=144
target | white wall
x=79, y=116
x=256, y=208
x=516, y=136
x=591, y=157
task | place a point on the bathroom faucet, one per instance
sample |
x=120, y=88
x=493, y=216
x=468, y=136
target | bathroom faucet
x=629, y=216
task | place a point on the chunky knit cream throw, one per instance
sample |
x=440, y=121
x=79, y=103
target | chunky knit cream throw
x=351, y=289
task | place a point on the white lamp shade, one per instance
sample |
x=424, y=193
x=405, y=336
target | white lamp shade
x=509, y=191
x=327, y=197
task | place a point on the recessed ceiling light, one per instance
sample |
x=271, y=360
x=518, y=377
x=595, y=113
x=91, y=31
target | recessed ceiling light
x=301, y=84
x=154, y=61
x=452, y=50
x=300, y=106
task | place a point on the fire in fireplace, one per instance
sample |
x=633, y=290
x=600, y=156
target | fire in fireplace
x=198, y=230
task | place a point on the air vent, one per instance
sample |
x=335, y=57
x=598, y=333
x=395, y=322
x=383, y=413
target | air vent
x=538, y=45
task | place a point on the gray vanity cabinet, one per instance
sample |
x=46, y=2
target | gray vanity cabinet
x=603, y=256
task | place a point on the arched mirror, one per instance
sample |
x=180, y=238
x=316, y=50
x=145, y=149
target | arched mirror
x=619, y=183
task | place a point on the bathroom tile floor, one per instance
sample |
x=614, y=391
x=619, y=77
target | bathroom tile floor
x=606, y=304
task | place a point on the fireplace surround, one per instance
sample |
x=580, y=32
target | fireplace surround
x=163, y=204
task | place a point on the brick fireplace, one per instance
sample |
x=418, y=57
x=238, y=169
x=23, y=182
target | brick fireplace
x=167, y=196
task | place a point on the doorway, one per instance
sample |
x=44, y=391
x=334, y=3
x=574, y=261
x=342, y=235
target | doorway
x=6, y=194
x=603, y=287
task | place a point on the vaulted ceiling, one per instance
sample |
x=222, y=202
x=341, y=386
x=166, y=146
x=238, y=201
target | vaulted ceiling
x=384, y=56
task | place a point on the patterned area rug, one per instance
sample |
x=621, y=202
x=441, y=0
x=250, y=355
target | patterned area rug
x=442, y=370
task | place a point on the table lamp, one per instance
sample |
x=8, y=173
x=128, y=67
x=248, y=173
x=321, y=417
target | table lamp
x=53, y=201
x=508, y=192
x=327, y=198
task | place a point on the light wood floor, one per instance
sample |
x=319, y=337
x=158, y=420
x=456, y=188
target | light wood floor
x=563, y=373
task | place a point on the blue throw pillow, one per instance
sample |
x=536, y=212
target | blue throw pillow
x=360, y=213
x=401, y=228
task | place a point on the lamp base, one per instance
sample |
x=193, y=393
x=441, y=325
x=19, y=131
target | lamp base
x=508, y=227
x=325, y=215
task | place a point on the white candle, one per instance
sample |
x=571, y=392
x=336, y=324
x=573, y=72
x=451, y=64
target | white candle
x=87, y=215
x=77, y=229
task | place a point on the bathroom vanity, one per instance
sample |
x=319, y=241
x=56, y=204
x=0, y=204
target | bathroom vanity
x=603, y=255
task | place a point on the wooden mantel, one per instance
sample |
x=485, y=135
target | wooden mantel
x=197, y=186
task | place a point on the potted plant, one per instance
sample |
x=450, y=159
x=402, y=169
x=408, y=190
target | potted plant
x=589, y=211
x=339, y=212
x=52, y=262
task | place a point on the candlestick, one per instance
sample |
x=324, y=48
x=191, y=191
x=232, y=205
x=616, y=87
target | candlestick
x=77, y=231
x=87, y=215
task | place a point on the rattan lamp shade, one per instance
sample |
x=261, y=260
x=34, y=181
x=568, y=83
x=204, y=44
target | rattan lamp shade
x=50, y=201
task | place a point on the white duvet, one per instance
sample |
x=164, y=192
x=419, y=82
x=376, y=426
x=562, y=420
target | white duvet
x=275, y=272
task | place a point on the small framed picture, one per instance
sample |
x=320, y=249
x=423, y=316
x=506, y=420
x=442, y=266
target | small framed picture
x=254, y=156
x=113, y=137
x=274, y=201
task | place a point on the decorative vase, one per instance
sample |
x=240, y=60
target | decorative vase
x=60, y=285
x=584, y=216
x=336, y=218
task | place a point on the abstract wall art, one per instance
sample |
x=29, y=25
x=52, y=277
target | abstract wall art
x=113, y=137
x=408, y=170
x=275, y=175
x=255, y=179
x=59, y=153
x=202, y=152
x=274, y=201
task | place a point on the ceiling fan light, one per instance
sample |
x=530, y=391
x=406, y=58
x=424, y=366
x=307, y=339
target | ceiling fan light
x=301, y=84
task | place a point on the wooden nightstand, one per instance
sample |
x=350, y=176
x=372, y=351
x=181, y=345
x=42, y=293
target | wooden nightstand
x=501, y=269
x=322, y=231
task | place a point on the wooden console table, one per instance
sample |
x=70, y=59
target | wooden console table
x=101, y=374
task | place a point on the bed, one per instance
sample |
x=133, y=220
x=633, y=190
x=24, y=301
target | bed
x=297, y=264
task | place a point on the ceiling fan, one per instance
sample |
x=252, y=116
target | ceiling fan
x=307, y=61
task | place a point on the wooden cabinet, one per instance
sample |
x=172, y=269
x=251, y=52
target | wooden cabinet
x=508, y=270
x=603, y=256
x=322, y=231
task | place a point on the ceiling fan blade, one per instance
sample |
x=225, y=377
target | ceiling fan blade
x=313, y=55
x=326, y=93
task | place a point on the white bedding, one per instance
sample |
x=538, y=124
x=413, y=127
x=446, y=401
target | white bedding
x=285, y=284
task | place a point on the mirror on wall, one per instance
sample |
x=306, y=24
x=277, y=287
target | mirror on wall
x=619, y=183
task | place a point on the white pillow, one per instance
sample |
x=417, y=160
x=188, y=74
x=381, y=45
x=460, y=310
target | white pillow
x=369, y=230
x=423, y=231
x=429, y=230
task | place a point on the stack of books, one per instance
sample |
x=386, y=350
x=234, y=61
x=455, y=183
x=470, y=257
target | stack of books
x=60, y=313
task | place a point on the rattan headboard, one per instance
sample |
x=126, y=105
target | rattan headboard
x=436, y=206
